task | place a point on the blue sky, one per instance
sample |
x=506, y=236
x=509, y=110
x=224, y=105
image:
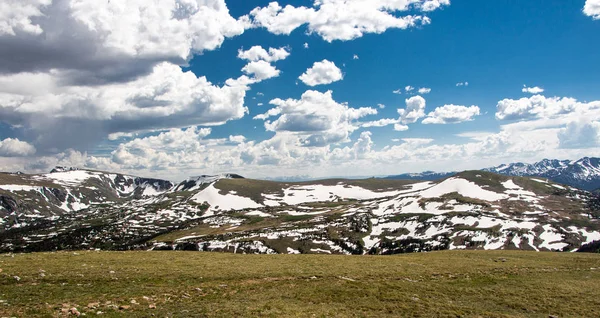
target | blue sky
x=496, y=46
x=123, y=97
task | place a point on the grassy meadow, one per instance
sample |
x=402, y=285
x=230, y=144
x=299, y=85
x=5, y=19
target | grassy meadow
x=196, y=284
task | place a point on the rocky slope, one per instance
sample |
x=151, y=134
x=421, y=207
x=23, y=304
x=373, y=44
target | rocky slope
x=583, y=173
x=26, y=198
x=470, y=210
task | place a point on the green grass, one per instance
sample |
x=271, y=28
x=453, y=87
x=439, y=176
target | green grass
x=196, y=284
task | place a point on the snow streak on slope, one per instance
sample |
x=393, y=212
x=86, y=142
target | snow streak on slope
x=462, y=187
x=320, y=193
x=224, y=202
x=472, y=210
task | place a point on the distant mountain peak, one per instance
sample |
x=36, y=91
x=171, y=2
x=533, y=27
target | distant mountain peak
x=583, y=173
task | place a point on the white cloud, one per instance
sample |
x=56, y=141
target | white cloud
x=580, y=134
x=363, y=145
x=462, y=84
x=355, y=57
x=415, y=109
x=539, y=106
x=77, y=71
x=475, y=135
x=409, y=89
x=324, y=72
x=15, y=16
x=15, y=148
x=270, y=113
x=109, y=41
x=400, y=127
x=424, y=90
x=318, y=118
x=381, y=106
x=237, y=139
x=398, y=91
x=193, y=153
x=119, y=135
x=257, y=53
x=343, y=19
x=72, y=116
x=167, y=149
x=592, y=8
x=261, y=70
x=259, y=104
x=532, y=90
x=451, y=114
x=260, y=63
x=305, y=45
x=381, y=122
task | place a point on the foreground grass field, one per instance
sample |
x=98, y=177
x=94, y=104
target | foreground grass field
x=195, y=284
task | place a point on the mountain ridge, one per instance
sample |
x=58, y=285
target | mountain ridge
x=469, y=210
x=583, y=173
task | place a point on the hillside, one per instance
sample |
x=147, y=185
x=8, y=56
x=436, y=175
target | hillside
x=470, y=210
x=187, y=284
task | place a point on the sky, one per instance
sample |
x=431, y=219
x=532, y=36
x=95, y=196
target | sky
x=301, y=89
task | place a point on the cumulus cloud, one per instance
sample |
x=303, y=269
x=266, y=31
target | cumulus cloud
x=316, y=116
x=342, y=19
x=462, y=84
x=355, y=57
x=539, y=106
x=324, y=72
x=306, y=45
x=592, y=9
x=580, y=134
x=415, y=109
x=397, y=91
x=258, y=53
x=424, y=90
x=400, y=127
x=451, y=114
x=109, y=41
x=259, y=65
x=409, y=89
x=532, y=90
x=119, y=135
x=15, y=148
x=16, y=15
x=381, y=122
x=73, y=116
x=76, y=71
x=190, y=151
x=167, y=149
x=237, y=139
x=261, y=70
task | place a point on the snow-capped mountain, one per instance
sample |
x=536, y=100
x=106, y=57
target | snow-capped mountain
x=583, y=173
x=63, y=190
x=77, y=209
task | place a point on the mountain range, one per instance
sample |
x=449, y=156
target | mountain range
x=583, y=173
x=84, y=209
